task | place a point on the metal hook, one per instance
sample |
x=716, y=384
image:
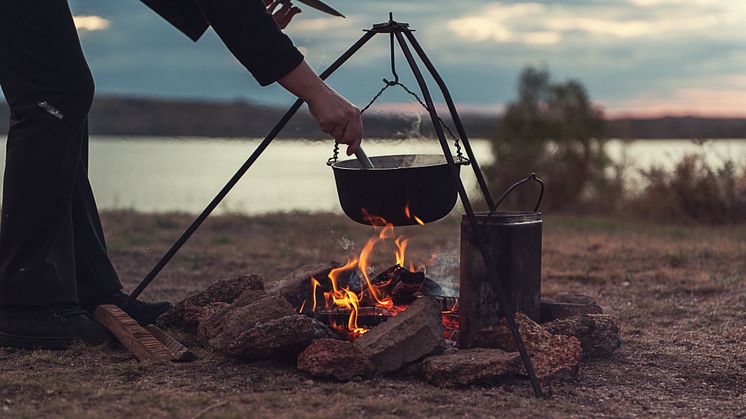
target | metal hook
x=393, y=62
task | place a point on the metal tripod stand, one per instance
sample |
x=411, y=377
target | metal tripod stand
x=404, y=37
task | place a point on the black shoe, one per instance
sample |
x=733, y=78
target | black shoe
x=50, y=327
x=143, y=312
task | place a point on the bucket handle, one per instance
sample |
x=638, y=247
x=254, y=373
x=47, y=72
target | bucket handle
x=505, y=194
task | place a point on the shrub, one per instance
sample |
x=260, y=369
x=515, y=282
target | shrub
x=552, y=129
x=695, y=190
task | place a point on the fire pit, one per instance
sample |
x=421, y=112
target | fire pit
x=352, y=298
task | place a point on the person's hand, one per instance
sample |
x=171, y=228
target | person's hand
x=284, y=15
x=338, y=118
x=335, y=115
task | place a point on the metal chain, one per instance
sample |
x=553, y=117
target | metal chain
x=456, y=140
x=335, y=152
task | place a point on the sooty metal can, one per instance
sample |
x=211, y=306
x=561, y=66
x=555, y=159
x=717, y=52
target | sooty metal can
x=513, y=240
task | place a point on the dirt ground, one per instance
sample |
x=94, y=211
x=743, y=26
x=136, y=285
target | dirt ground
x=679, y=294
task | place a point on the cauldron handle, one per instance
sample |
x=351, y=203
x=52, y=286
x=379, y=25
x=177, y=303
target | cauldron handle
x=505, y=194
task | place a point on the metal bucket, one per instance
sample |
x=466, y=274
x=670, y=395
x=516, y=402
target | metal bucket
x=513, y=240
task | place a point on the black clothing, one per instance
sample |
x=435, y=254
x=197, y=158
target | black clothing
x=52, y=248
x=245, y=27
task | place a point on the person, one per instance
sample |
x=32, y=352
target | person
x=54, y=266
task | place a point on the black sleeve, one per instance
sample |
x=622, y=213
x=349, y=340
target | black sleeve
x=185, y=15
x=252, y=35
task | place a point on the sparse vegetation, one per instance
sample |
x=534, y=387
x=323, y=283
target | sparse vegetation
x=694, y=191
x=554, y=130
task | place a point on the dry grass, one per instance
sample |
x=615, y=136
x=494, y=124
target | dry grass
x=679, y=294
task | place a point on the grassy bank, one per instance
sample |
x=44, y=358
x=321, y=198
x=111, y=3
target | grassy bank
x=679, y=294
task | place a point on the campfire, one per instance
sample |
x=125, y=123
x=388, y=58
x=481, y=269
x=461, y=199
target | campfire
x=354, y=297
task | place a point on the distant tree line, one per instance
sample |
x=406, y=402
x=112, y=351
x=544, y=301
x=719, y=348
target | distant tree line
x=164, y=117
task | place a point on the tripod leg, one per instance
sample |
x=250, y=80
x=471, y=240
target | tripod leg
x=476, y=231
x=454, y=115
x=239, y=174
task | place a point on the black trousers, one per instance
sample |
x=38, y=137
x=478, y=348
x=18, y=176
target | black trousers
x=52, y=248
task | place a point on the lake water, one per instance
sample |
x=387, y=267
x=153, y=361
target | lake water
x=161, y=175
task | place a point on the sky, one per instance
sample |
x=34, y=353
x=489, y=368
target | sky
x=638, y=57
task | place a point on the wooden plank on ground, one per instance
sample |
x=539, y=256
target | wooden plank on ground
x=179, y=352
x=134, y=337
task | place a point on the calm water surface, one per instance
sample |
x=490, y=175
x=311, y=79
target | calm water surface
x=156, y=174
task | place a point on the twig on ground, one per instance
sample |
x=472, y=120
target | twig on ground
x=208, y=408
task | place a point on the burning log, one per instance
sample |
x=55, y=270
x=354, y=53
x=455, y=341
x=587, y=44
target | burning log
x=407, y=285
x=366, y=316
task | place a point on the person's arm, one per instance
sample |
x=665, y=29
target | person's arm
x=185, y=15
x=335, y=115
x=253, y=36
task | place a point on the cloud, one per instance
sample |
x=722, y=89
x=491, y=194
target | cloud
x=494, y=23
x=91, y=23
x=683, y=101
x=320, y=26
x=551, y=23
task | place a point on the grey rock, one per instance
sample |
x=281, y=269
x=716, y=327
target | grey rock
x=574, y=298
x=282, y=338
x=567, y=305
x=296, y=286
x=553, y=356
x=405, y=338
x=224, y=327
x=335, y=358
x=470, y=366
x=599, y=334
x=187, y=314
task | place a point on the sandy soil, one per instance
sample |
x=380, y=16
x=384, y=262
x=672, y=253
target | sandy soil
x=679, y=294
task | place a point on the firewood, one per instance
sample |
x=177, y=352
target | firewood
x=179, y=352
x=134, y=337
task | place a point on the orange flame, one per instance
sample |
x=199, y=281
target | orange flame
x=408, y=214
x=364, y=264
x=315, y=284
x=401, y=250
x=334, y=273
x=344, y=297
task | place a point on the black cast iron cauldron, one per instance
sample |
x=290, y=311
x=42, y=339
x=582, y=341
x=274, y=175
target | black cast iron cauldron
x=401, y=189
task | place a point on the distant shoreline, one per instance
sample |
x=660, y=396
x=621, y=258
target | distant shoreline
x=136, y=116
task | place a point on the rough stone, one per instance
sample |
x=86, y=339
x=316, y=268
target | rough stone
x=405, y=338
x=296, y=286
x=224, y=327
x=335, y=358
x=567, y=305
x=553, y=356
x=574, y=298
x=598, y=333
x=282, y=338
x=212, y=325
x=471, y=366
x=187, y=313
x=248, y=297
x=194, y=315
